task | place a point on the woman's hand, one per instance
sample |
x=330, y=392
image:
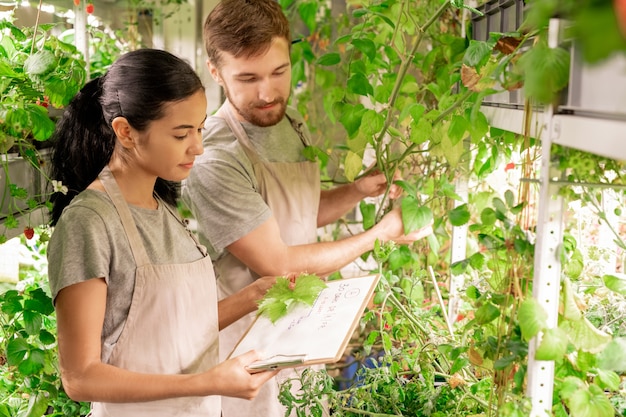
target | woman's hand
x=232, y=378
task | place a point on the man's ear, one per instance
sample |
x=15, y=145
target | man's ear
x=214, y=72
x=123, y=131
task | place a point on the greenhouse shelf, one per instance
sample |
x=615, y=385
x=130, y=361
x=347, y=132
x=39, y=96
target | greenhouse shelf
x=583, y=121
x=595, y=134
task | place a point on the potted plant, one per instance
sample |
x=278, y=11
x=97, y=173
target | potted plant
x=39, y=74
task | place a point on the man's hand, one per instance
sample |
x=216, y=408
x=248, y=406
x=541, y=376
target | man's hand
x=375, y=183
x=391, y=227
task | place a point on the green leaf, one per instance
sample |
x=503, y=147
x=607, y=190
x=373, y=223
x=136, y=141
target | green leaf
x=456, y=130
x=37, y=405
x=532, y=318
x=553, y=345
x=366, y=46
x=42, y=126
x=368, y=212
x=608, y=379
x=459, y=215
x=350, y=117
x=308, y=14
x=352, y=165
x=420, y=131
x=11, y=303
x=458, y=364
x=33, y=363
x=359, y=84
x=40, y=63
x=613, y=356
x=488, y=216
x=477, y=260
x=472, y=292
x=584, y=335
x=46, y=337
x=329, y=59
x=281, y=298
x=16, y=350
x=546, y=71
x=487, y=313
x=590, y=402
x=570, y=308
x=308, y=288
x=32, y=322
x=615, y=282
x=4, y=411
x=477, y=53
x=414, y=216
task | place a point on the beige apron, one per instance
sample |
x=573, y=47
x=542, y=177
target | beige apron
x=292, y=192
x=172, y=325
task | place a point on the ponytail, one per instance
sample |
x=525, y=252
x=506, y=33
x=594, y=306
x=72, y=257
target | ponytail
x=83, y=143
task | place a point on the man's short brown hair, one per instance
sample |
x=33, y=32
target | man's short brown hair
x=243, y=28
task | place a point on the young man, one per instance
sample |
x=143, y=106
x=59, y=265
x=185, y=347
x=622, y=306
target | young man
x=257, y=200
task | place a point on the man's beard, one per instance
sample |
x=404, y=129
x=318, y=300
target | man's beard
x=257, y=117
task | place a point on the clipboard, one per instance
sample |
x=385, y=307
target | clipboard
x=310, y=335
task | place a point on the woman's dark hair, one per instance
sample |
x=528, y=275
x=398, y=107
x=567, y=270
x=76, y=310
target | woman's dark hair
x=137, y=86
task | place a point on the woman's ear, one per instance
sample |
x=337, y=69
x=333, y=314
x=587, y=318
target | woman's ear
x=123, y=131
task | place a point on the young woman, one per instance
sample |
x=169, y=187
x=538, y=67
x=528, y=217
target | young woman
x=134, y=292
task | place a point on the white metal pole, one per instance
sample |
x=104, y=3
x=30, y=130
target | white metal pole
x=547, y=266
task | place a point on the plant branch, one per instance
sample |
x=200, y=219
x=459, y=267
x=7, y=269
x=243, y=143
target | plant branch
x=32, y=46
x=369, y=413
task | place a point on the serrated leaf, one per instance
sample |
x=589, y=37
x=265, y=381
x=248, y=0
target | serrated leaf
x=33, y=363
x=570, y=308
x=615, y=282
x=590, y=402
x=16, y=350
x=613, y=356
x=608, y=379
x=553, y=345
x=584, y=335
x=414, y=216
x=281, y=298
x=459, y=215
x=532, y=318
x=308, y=288
x=546, y=71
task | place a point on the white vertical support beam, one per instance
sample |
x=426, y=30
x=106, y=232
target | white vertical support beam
x=459, y=246
x=547, y=266
x=458, y=251
x=81, y=40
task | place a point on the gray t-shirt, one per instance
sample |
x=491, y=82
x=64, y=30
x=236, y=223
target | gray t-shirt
x=90, y=242
x=222, y=191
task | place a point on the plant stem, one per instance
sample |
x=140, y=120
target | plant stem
x=369, y=413
x=32, y=46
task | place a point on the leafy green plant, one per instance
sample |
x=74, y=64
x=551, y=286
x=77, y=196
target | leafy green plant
x=38, y=75
x=30, y=383
x=399, y=82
